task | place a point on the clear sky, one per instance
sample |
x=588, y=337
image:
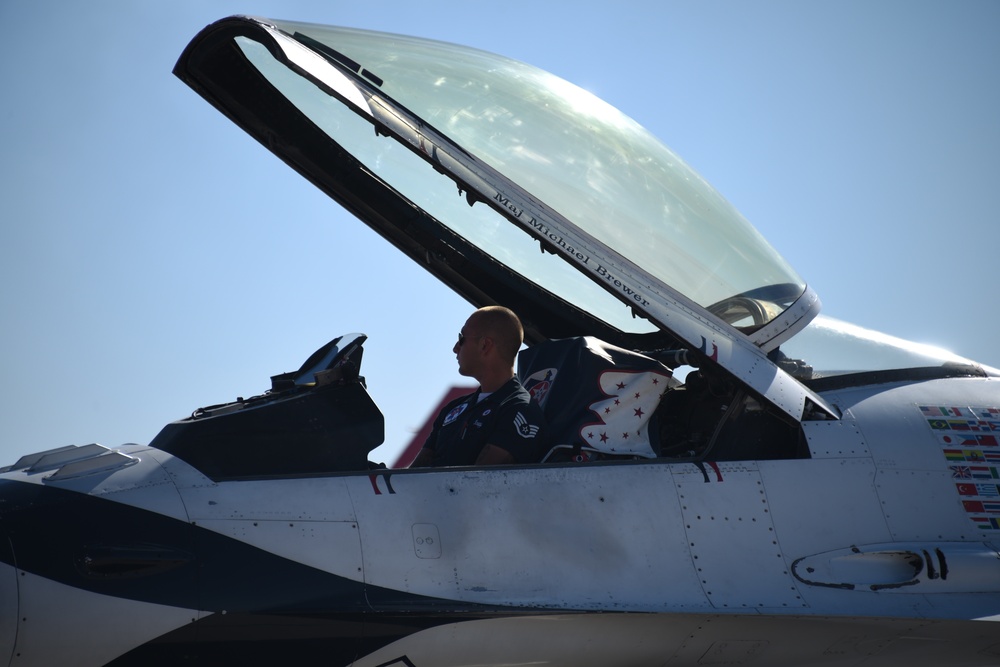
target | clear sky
x=155, y=259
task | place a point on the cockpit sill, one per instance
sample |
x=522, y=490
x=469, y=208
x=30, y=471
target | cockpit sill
x=320, y=421
x=330, y=426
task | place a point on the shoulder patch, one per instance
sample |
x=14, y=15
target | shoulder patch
x=524, y=429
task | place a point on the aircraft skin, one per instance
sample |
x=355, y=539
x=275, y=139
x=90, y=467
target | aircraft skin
x=154, y=563
x=872, y=540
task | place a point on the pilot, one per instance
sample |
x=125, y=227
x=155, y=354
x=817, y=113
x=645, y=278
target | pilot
x=498, y=423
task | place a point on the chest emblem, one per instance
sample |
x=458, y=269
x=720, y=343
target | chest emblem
x=455, y=413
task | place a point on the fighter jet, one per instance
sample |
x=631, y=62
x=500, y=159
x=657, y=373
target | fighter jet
x=732, y=478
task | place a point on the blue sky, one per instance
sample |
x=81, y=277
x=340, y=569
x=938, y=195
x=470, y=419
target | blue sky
x=155, y=259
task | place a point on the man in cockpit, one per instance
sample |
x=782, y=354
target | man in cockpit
x=498, y=423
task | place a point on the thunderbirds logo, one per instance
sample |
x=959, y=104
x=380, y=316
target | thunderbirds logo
x=455, y=413
x=539, y=384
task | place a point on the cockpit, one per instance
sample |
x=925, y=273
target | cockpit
x=604, y=404
x=517, y=188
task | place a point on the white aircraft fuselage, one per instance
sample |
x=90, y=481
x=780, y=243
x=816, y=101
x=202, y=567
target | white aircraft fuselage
x=147, y=556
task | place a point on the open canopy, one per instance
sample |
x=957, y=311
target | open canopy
x=513, y=187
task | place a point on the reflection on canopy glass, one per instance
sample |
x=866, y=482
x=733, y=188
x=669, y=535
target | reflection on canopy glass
x=570, y=150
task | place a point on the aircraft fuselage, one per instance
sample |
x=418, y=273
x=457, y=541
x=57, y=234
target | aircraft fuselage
x=147, y=556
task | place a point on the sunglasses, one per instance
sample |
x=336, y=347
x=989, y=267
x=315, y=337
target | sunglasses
x=462, y=338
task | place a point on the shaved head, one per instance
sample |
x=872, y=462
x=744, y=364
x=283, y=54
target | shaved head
x=503, y=326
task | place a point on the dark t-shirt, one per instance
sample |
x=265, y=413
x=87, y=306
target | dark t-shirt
x=507, y=418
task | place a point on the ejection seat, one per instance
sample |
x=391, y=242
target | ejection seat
x=598, y=399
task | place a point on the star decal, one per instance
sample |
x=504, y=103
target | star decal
x=612, y=429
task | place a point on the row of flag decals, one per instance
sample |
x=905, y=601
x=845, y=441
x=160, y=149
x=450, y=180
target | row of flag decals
x=970, y=442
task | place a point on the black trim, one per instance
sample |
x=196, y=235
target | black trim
x=270, y=640
x=307, y=431
x=868, y=378
x=266, y=609
x=145, y=556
